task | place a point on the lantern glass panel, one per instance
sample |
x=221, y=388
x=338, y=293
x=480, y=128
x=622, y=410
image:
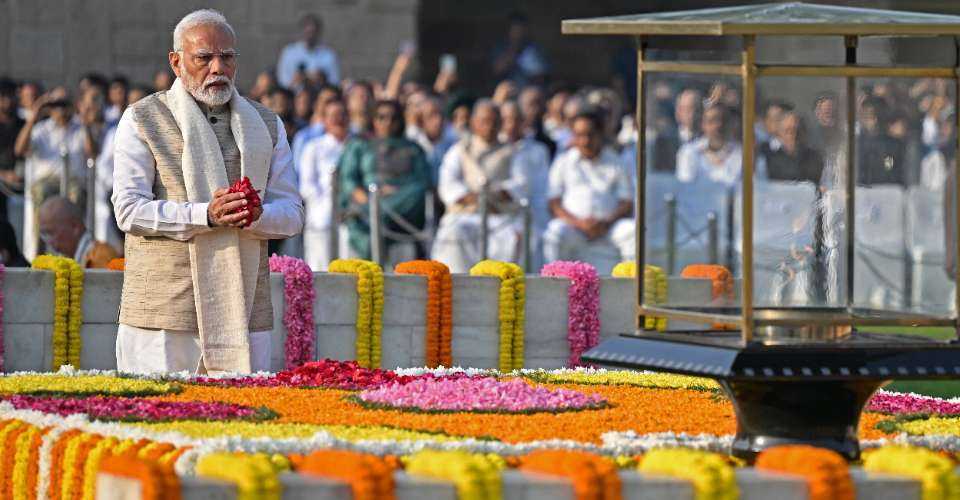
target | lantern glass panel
x=693, y=163
x=906, y=144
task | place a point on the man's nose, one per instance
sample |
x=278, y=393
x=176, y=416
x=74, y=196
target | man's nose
x=217, y=66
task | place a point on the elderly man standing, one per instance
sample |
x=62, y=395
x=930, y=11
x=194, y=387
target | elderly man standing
x=480, y=161
x=196, y=292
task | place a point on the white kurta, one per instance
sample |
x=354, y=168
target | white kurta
x=318, y=166
x=138, y=212
x=589, y=189
x=457, y=242
x=47, y=140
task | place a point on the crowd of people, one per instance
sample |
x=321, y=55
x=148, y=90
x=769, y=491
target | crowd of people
x=562, y=156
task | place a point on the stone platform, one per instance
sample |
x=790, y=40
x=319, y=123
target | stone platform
x=28, y=318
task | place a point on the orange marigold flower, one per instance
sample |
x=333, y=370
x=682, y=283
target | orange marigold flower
x=594, y=477
x=826, y=472
x=370, y=477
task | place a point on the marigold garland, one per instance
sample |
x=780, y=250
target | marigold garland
x=255, y=475
x=594, y=477
x=512, y=309
x=22, y=481
x=711, y=474
x=719, y=275
x=157, y=481
x=476, y=476
x=583, y=305
x=67, y=312
x=654, y=289
x=369, y=476
x=369, y=307
x=117, y=264
x=439, y=309
x=298, y=295
x=826, y=472
x=934, y=471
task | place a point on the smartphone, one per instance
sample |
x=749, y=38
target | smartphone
x=408, y=47
x=448, y=63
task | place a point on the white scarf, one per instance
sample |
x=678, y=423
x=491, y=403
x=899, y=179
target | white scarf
x=224, y=262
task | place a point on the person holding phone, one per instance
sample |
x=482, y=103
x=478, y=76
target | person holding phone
x=50, y=137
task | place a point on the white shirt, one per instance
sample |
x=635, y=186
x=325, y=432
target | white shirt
x=694, y=162
x=453, y=186
x=318, y=164
x=301, y=138
x=589, y=188
x=534, y=159
x=103, y=216
x=47, y=139
x=320, y=57
x=140, y=214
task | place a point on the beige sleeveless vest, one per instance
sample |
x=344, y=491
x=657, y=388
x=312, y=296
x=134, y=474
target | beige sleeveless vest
x=480, y=161
x=157, y=282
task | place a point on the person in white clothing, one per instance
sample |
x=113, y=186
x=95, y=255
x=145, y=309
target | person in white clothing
x=196, y=292
x=714, y=156
x=591, y=198
x=308, y=56
x=480, y=161
x=533, y=158
x=47, y=144
x=318, y=166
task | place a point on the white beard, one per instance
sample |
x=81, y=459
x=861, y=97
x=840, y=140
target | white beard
x=208, y=95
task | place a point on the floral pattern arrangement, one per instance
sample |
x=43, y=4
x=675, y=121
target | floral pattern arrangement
x=512, y=315
x=67, y=311
x=356, y=425
x=439, y=312
x=470, y=394
x=298, y=295
x=369, y=307
x=583, y=305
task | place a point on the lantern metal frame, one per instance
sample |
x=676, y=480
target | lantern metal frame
x=807, y=389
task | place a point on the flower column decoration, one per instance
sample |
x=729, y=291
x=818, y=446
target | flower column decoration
x=67, y=312
x=654, y=289
x=583, y=305
x=512, y=309
x=298, y=295
x=369, y=307
x=439, y=309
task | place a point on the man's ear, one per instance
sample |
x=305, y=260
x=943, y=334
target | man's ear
x=174, y=58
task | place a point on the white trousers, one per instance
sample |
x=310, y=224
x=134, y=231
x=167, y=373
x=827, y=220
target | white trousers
x=457, y=243
x=562, y=241
x=144, y=351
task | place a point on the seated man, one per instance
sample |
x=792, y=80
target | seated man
x=63, y=231
x=590, y=197
x=480, y=159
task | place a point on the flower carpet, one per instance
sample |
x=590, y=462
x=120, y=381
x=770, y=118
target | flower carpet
x=358, y=425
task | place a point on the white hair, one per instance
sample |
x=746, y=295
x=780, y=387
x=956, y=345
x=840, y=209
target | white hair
x=202, y=17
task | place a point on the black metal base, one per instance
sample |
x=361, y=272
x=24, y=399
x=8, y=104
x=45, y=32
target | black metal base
x=821, y=413
x=810, y=393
